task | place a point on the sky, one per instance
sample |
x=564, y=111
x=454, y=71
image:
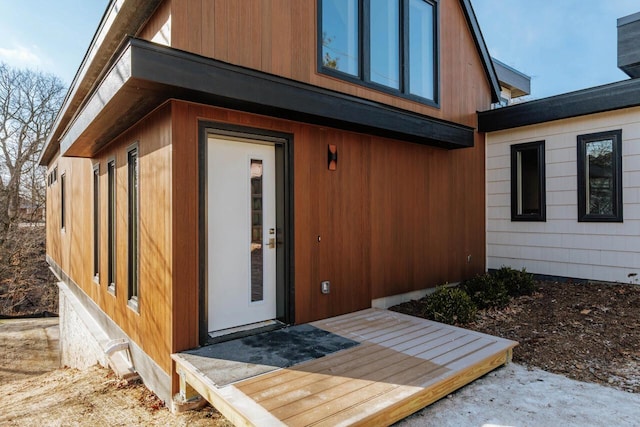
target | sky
x=564, y=45
x=51, y=36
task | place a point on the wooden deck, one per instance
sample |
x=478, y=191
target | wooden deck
x=402, y=364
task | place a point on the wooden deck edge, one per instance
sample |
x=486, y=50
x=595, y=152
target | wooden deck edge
x=435, y=392
x=237, y=407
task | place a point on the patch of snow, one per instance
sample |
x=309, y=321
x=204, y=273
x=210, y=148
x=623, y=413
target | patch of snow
x=517, y=396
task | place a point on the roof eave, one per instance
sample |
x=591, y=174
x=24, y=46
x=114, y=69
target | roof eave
x=145, y=75
x=481, y=46
x=599, y=99
x=121, y=18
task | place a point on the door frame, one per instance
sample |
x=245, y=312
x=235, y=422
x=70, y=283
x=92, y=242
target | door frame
x=283, y=143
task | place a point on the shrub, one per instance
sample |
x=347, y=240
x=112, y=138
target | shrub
x=517, y=282
x=450, y=305
x=486, y=291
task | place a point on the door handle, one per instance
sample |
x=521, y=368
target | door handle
x=272, y=242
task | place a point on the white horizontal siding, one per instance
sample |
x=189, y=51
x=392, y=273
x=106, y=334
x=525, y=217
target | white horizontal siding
x=562, y=246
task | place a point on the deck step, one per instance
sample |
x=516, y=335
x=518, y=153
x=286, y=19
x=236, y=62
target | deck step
x=402, y=364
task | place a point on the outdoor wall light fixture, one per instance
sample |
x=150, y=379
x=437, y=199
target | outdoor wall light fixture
x=333, y=157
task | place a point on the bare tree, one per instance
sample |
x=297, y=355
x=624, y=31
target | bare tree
x=29, y=102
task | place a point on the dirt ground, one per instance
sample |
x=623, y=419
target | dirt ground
x=585, y=331
x=35, y=391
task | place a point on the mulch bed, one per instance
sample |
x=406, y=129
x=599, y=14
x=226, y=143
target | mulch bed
x=585, y=331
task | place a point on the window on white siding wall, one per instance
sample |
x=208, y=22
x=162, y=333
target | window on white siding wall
x=528, y=182
x=600, y=177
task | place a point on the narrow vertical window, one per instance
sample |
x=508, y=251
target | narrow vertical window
x=384, y=42
x=340, y=36
x=111, y=225
x=96, y=222
x=528, y=182
x=422, y=79
x=133, y=233
x=600, y=177
x=63, y=201
x=257, y=288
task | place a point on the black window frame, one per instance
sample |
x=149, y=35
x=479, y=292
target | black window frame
x=539, y=147
x=96, y=223
x=617, y=216
x=63, y=201
x=133, y=228
x=364, y=31
x=111, y=225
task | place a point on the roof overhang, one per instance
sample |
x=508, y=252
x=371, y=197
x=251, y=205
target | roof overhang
x=518, y=83
x=614, y=96
x=144, y=75
x=121, y=17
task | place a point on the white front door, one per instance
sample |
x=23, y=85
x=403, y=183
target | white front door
x=241, y=225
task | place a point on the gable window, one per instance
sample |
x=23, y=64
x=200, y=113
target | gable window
x=389, y=45
x=528, y=182
x=600, y=177
x=111, y=226
x=96, y=222
x=133, y=231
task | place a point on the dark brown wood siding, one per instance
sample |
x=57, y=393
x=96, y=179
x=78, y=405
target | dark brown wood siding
x=279, y=37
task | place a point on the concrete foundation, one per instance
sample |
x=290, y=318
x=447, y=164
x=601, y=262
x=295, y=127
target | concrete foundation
x=86, y=332
x=80, y=336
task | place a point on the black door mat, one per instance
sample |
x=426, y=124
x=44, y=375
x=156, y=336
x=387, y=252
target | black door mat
x=242, y=358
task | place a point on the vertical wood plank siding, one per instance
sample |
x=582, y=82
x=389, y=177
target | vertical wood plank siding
x=279, y=37
x=394, y=217
x=72, y=249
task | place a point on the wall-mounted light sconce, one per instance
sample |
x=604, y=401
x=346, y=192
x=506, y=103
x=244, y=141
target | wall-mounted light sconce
x=333, y=157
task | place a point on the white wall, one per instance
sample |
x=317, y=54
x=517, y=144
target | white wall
x=562, y=246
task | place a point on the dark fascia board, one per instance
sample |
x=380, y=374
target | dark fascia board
x=481, y=46
x=146, y=74
x=613, y=96
x=519, y=83
x=628, y=48
x=629, y=19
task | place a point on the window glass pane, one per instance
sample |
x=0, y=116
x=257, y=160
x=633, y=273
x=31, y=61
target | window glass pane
x=133, y=223
x=385, y=42
x=111, y=224
x=599, y=177
x=340, y=35
x=63, y=201
x=528, y=183
x=256, y=232
x=96, y=222
x=421, y=49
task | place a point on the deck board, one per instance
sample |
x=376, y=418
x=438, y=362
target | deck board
x=402, y=364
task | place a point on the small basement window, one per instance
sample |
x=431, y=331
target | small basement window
x=600, y=177
x=528, y=182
